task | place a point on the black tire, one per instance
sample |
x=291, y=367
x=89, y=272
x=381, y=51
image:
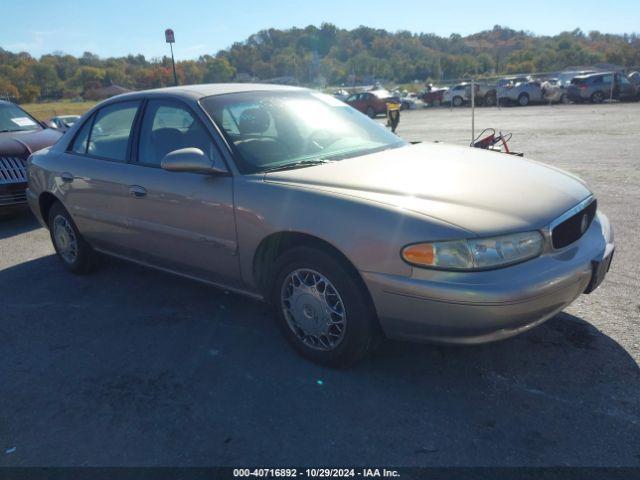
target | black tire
x=564, y=99
x=361, y=329
x=371, y=112
x=489, y=101
x=523, y=99
x=84, y=259
x=597, y=97
x=457, y=101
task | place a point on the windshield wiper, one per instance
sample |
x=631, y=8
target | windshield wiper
x=293, y=165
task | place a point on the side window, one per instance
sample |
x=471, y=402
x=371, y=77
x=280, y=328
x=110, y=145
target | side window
x=82, y=137
x=111, y=131
x=169, y=126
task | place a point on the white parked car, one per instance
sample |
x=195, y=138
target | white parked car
x=457, y=95
x=554, y=91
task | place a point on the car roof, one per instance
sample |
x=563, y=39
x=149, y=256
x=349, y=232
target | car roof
x=196, y=92
x=594, y=74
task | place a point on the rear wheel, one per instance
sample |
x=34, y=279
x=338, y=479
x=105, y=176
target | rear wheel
x=489, y=101
x=523, y=100
x=597, y=97
x=322, y=308
x=73, y=250
x=564, y=99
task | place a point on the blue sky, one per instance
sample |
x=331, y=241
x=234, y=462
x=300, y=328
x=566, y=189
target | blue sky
x=119, y=27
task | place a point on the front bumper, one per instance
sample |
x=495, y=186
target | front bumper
x=478, y=307
x=12, y=198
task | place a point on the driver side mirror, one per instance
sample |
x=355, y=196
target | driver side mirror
x=190, y=160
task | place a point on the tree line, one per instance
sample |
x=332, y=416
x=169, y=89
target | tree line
x=318, y=56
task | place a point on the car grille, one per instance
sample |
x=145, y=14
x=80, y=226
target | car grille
x=12, y=198
x=12, y=170
x=573, y=228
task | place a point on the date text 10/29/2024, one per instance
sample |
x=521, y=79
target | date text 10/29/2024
x=316, y=472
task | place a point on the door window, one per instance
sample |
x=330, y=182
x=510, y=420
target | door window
x=81, y=140
x=168, y=126
x=112, y=130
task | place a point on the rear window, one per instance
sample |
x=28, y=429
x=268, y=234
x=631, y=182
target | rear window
x=578, y=81
x=111, y=130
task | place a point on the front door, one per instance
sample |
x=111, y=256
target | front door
x=181, y=221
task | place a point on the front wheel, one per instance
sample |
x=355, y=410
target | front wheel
x=370, y=112
x=76, y=254
x=457, y=101
x=322, y=307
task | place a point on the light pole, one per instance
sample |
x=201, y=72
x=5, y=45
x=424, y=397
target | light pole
x=170, y=39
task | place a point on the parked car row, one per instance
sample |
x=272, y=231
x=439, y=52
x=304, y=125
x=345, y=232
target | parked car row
x=585, y=86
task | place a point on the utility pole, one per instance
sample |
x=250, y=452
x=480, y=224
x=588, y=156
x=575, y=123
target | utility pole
x=170, y=39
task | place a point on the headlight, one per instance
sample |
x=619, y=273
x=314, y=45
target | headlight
x=475, y=253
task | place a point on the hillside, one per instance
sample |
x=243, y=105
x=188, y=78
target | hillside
x=324, y=55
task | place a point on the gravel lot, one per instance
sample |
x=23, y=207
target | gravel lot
x=134, y=367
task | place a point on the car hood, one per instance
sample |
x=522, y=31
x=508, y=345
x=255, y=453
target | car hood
x=482, y=192
x=23, y=144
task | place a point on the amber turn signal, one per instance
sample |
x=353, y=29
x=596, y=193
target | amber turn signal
x=419, y=254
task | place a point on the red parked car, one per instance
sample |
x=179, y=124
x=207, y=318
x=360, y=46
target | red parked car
x=433, y=96
x=370, y=103
x=20, y=135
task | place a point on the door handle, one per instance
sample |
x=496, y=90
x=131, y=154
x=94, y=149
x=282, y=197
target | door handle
x=66, y=177
x=137, y=191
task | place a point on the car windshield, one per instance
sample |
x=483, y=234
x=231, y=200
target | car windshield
x=272, y=130
x=14, y=119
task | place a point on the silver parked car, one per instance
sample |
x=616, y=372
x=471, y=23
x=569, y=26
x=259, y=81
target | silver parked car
x=457, y=95
x=598, y=87
x=291, y=196
x=521, y=91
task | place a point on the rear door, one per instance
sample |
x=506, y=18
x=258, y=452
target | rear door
x=181, y=221
x=93, y=173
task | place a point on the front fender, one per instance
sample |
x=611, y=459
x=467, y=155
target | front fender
x=368, y=233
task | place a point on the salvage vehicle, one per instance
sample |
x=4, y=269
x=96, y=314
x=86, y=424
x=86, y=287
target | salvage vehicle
x=352, y=234
x=520, y=92
x=554, y=91
x=433, y=96
x=457, y=95
x=370, y=103
x=598, y=87
x=20, y=135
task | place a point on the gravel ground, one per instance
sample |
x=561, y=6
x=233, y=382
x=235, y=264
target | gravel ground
x=133, y=367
